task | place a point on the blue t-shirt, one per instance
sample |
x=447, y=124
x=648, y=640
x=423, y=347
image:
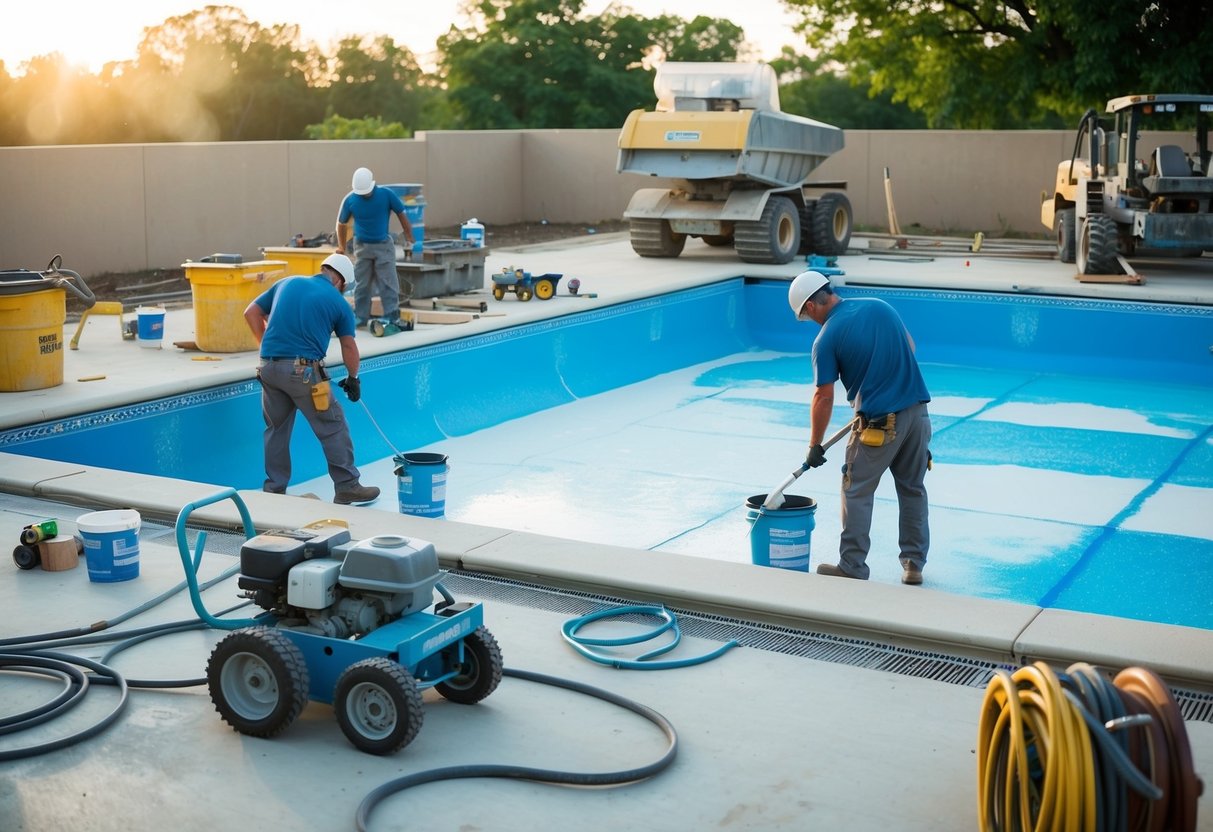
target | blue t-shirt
x=304, y=313
x=371, y=213
x=864, y=343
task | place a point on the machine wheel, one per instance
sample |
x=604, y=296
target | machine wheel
x=1063, y=228
x=1097, y=246
x=258, y=681
x=378, y=705
x=523, y=294
x=774, y=238
x=655, y=238
x=805, y=212
x=832, y=218
x=498, y=293
x=544, y=289
x=718, y=240
x=479, y=673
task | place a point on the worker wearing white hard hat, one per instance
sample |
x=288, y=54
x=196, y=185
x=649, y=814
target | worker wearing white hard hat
x=307, y=312
x=371, y=208
x=864, y=344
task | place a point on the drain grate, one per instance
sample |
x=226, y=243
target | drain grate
x=871, y=655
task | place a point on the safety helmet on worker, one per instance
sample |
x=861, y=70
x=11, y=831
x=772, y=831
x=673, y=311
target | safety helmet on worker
x=804, y=286
x=342, y=265
x=364, y=181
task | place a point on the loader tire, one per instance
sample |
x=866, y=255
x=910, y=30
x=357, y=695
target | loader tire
x=832, y=223
x=806, y=227
x=1063, y=227
x=1097, y=246
x=774, y=238
x=655, y=238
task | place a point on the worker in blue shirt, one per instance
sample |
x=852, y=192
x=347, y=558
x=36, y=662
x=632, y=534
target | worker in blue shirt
x=293, y=321
x=864, y=343
x=374, y=250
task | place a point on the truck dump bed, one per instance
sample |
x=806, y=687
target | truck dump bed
x=774, y=148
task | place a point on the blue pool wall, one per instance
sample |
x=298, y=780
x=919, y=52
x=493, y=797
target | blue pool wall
x=421, y=396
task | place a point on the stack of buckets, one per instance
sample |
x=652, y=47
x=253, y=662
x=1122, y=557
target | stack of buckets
x=111, y=544
x=421, y=483
x=780, y=537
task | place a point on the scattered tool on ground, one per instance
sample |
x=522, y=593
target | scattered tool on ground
x=524, y=285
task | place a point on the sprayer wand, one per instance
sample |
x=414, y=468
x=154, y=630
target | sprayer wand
x=775, y=498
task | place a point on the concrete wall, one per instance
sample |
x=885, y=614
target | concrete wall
x=116, y=208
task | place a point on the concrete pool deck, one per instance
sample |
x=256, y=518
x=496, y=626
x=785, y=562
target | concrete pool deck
x=769, y=740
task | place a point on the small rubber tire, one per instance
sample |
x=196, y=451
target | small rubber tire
x=498, y=293
x=26, y=557
x=258, y=681
x=544, y=289
x=378, y=705
x=478, y=674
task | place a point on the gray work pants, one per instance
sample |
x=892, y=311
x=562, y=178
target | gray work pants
x=906, y=458
x=375, y=271
x=286, y=388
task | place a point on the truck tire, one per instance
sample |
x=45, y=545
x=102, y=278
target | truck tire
x=1063, y=228
x=1097, y=250
x=655, y=238
x=774, y=238
x=806, y=227
x=832, y=222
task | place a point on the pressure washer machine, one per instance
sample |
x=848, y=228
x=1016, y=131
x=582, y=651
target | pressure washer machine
x=345, y=623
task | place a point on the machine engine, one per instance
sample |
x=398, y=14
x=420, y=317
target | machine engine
x=318, y=581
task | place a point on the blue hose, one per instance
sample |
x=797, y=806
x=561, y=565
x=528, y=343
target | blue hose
x=669, y=623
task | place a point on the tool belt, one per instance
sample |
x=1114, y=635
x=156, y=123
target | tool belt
x=878, y=431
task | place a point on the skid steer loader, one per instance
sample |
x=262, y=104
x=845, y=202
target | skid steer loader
x=1130, y=194
x=739, y=166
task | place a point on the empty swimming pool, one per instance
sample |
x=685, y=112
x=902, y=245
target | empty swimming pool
x=1072, y=438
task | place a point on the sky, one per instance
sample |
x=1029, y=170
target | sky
x=91, y=33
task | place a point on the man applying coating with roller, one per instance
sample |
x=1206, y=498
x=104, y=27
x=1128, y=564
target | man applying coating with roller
x=293, y=321
x=864, y=342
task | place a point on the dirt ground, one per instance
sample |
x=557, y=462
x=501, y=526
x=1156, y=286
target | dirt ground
x=169, y=286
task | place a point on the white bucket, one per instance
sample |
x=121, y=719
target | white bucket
x=111, y=544
x=151, y=326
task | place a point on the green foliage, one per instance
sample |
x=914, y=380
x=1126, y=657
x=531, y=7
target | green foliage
x=339, y=127
x=808, y=90
x=999, y=64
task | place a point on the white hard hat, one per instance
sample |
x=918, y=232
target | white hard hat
x=341, y=264
x=364, y=181
x=803, y=287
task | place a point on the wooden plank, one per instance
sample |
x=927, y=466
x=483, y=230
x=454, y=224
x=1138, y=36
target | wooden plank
x=1130, y=276
x=434, y=316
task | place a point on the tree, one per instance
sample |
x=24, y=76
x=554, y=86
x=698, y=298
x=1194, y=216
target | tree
x=375, y=77
x=338, y=127
x=545, y=64
x=807, y=89
x=998, y=64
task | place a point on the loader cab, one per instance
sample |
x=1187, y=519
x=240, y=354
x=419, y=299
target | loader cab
x=1137, y=161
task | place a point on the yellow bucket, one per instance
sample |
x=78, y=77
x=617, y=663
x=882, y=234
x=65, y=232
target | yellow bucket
x=299, y=259
x=31, y=332
x=222, y=291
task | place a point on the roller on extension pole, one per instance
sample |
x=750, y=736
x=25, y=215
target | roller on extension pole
x=774, y=500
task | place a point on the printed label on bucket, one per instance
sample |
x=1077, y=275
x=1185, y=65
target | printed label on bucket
x=789, y=548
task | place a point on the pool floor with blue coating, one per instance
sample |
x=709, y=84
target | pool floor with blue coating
x=1082, y=493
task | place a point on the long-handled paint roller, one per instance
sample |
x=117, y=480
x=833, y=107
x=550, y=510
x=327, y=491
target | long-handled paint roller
x=775, y=499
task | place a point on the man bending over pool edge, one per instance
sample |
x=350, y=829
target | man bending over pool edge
x=864, y=342
x=306, y=312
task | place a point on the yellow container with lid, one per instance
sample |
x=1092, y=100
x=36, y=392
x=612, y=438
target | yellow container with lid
x=222, y=291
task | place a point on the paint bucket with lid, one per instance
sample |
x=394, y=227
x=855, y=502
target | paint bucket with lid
x=421, y=483
x=151, y=327
x=111, y=544
x=780, y=537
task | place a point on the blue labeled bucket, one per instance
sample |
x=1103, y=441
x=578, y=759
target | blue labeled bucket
x=111, y=544
x=421, y=484
x=151, y=326
x=780, y=537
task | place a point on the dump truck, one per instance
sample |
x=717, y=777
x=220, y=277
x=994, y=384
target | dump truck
x=738, y=166
x=1127, y=195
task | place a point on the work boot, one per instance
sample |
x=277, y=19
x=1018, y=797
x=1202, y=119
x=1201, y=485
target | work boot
x=832, y=570
x=356, y=494
x=911, y=573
